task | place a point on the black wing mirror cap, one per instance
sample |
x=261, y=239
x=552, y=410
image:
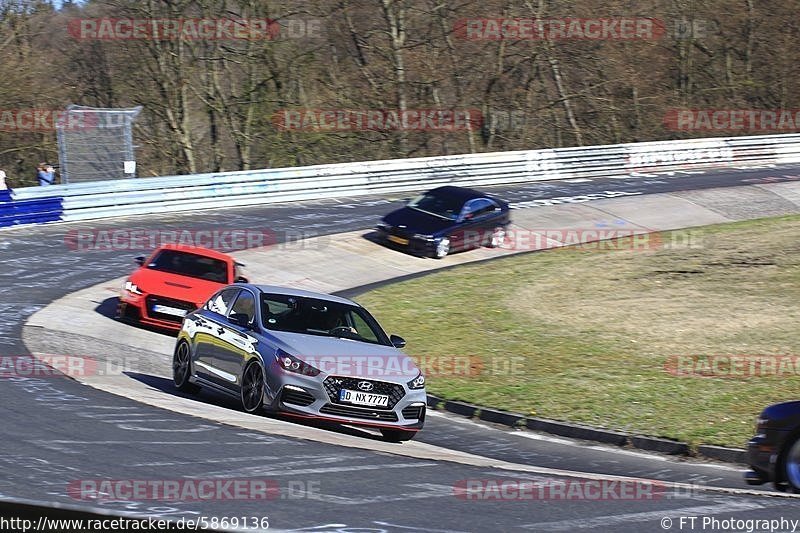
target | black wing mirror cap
x=397, y=342
x=240, y=319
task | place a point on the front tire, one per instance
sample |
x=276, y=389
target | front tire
x=498, y=237
x=397, y=435
x=442, y=248
x=791, y=466
x=182, y=369
x=252, y=389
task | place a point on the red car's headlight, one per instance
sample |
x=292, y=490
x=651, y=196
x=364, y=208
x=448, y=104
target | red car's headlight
x=132, y=288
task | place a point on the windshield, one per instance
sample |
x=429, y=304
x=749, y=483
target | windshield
x=438, y=204
x=311, y=316
x=192, y=265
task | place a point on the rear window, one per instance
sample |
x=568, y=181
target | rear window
x=191, y=265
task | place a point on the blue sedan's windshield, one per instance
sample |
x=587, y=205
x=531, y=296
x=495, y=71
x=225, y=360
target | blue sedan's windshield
x=437, y=204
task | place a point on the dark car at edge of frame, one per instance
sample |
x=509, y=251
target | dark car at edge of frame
x=774, y=452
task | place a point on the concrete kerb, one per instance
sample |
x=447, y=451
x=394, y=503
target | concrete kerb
x=588, y=433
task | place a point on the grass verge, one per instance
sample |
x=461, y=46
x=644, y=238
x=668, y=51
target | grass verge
x=589, y=335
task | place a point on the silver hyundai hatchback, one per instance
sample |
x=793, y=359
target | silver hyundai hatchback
x=303, y=354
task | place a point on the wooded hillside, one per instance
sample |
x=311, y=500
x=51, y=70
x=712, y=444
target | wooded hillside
x=215, y=103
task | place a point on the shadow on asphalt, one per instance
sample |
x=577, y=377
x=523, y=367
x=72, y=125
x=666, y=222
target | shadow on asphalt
x=211, y=397
x=108, y=308
x=373, y=237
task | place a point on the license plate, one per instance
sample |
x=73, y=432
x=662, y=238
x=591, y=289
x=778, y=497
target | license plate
x=363, y=398
x=166, y=310
x=398, y=240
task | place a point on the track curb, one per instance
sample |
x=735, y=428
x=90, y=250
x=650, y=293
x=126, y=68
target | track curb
x=589, y=433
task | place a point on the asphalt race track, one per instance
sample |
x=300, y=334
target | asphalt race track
x=57, y=431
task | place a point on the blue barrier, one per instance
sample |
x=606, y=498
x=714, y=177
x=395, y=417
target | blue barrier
x=38, y=211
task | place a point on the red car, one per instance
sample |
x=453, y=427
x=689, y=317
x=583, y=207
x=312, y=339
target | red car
x=173, y=281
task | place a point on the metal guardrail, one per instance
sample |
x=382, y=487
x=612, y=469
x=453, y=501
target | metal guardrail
x=85, y=201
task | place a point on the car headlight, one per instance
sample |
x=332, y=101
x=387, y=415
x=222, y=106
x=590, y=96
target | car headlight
x=417, y=383
x=132, y=288
x=383, y=226
x=293, y=364
x=423, y=237
x=761, y=424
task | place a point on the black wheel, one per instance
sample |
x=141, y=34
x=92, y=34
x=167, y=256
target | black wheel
x=181, y=369
x=397, y=435
x=497, y=238
x=790, y=466
x=252, y=389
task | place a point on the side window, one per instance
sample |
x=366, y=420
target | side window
x=361, y=327
x=238, y=273
x=477, y=207
x=483, y=206
x=220, y=303
x=245, y=304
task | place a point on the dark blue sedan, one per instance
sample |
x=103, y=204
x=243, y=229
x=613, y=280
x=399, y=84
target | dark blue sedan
x=774, y=452
x=447, y=219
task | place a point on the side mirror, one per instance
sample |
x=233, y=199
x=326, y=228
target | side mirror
x=139, y=260
x=397, y=342
x=240, y=319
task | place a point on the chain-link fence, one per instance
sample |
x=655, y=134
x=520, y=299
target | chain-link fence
x=96, y=144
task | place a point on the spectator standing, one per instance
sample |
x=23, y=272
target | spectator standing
x=45, y=174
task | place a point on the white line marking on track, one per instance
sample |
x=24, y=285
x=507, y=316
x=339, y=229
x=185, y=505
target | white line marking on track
x=211, y=461
x=153, y=442
x=282, y=470
x=423, y=492
x=607, y=522
x=598, y=447
x=410, y=528
x=621, y=451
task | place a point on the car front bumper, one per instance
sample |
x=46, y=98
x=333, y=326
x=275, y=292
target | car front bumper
x=762, y=456
x=407, y=243
x=133, y=307
x=313, y=397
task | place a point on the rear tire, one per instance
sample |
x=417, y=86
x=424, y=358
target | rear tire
x=397, y=435
x=182, y=369
x=252, y=389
